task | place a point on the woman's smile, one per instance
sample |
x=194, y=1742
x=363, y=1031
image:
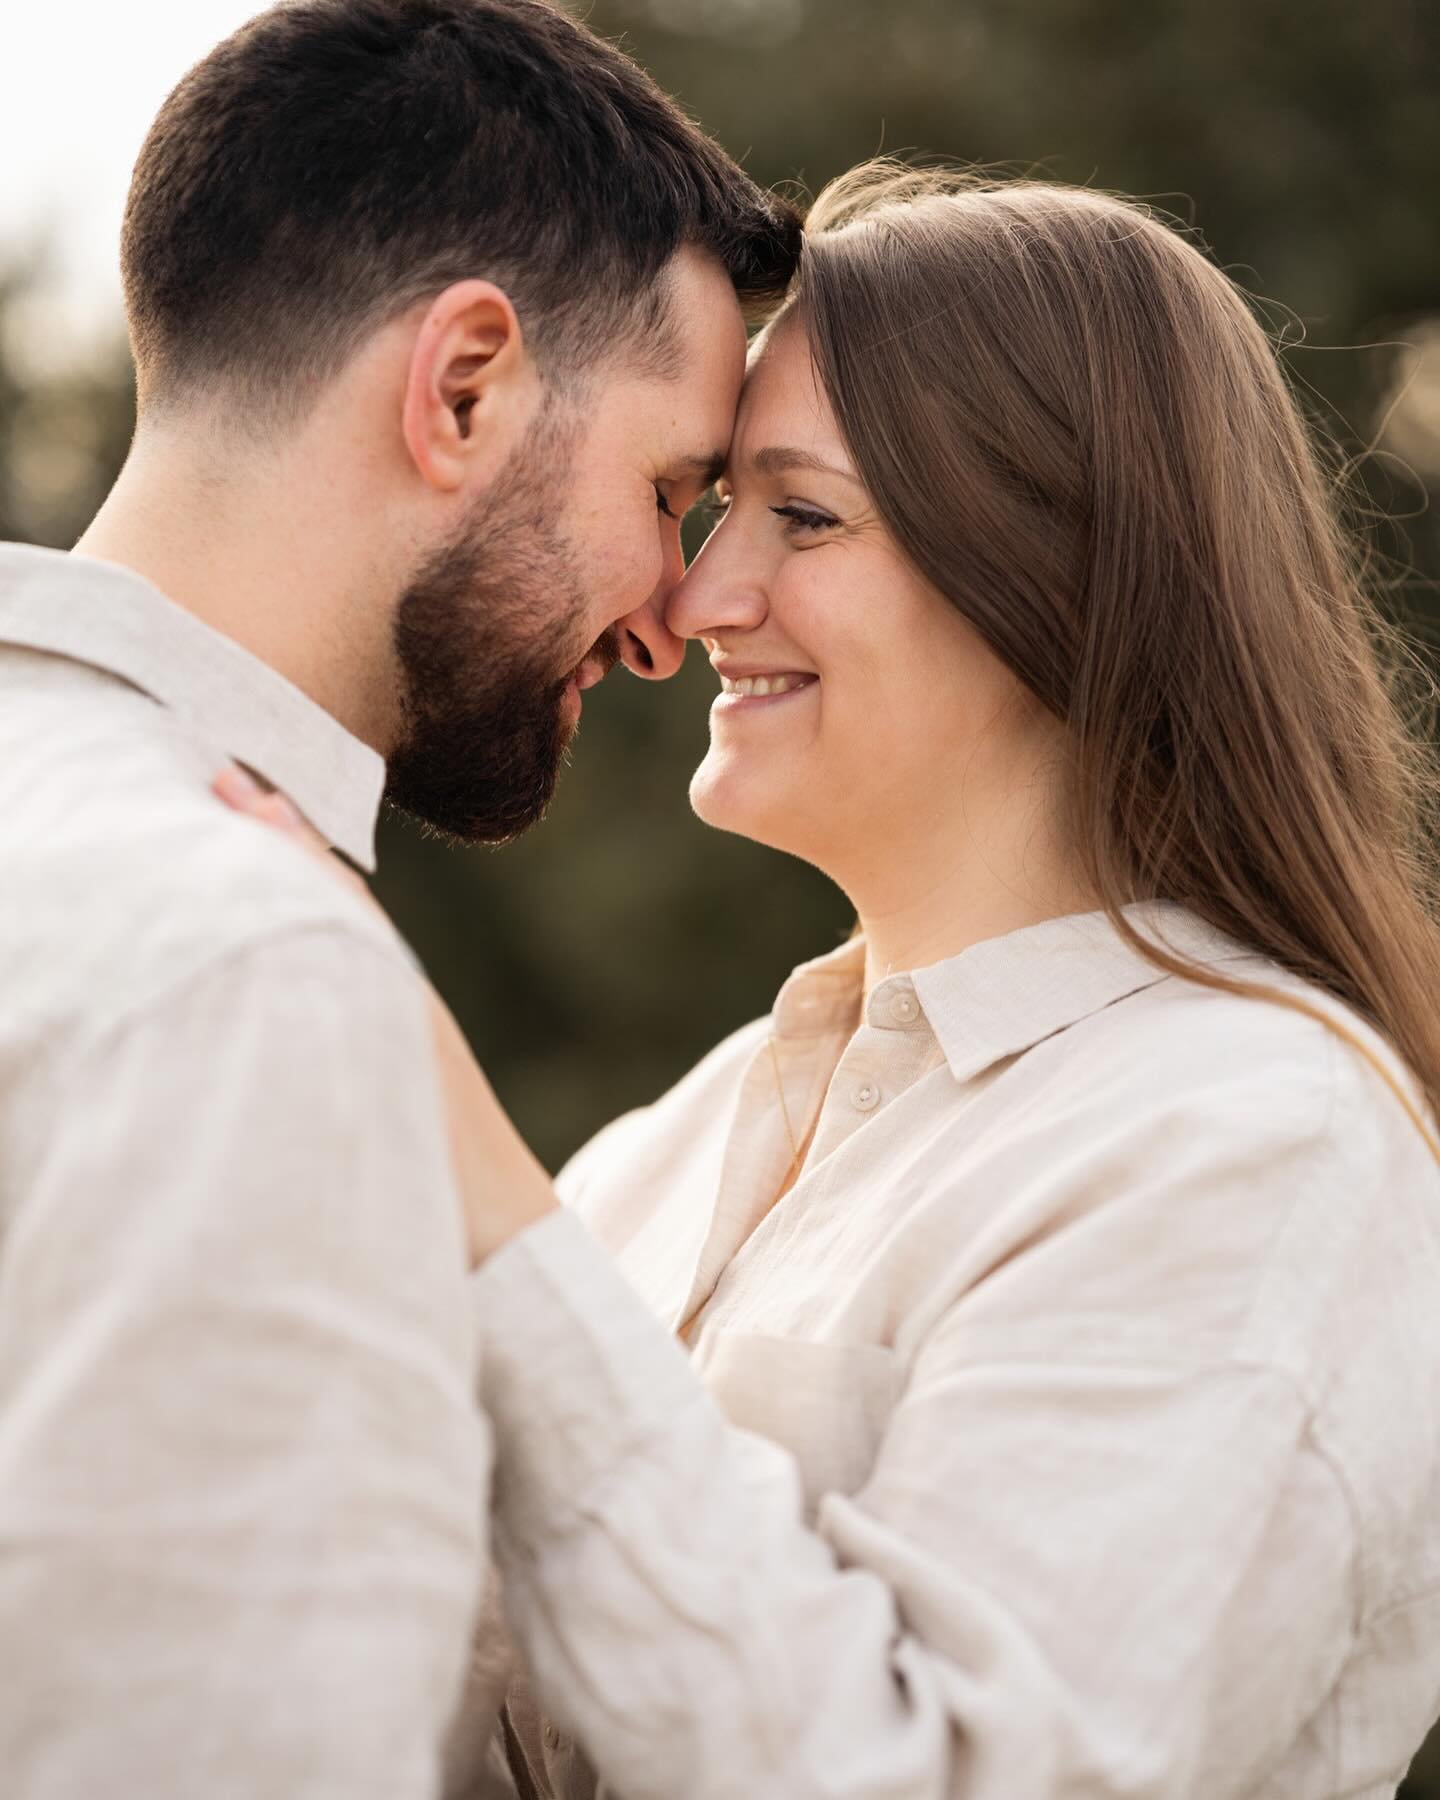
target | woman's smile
x=747, y=689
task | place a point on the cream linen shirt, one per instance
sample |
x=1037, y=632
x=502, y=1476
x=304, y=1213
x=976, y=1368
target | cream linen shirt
x=239, y=1453
x=1071, y=1427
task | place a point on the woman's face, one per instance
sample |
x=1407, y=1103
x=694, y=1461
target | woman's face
x=885, y=710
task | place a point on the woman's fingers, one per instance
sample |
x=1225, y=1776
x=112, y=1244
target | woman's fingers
x=242, y=793
x=240, y=790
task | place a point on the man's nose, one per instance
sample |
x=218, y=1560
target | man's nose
x=648, y=647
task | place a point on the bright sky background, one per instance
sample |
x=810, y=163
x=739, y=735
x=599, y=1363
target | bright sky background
x=81, y=83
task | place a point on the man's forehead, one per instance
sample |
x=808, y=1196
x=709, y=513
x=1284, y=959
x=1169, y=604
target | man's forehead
x=696, y=427
x=701, y=296
x=706, y=466
x=697, y=396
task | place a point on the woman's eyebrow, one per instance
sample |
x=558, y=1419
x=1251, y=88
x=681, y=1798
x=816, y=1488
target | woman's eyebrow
x=780, y=459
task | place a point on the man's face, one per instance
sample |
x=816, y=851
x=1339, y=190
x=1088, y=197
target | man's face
x=563, y=567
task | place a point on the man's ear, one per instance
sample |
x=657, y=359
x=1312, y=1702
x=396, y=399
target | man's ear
x=470, y=388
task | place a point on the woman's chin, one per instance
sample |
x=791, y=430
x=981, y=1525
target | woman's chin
x=733, y=800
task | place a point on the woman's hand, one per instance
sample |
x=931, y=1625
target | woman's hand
x=502, y=1185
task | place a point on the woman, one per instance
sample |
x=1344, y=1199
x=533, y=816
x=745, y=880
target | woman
x=1033, y=1384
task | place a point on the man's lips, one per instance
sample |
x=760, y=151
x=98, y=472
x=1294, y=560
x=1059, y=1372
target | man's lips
x=598, y=661
x=596, y=666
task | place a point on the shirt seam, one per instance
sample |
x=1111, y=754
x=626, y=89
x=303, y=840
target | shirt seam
x=1326, y=1096
x=1330, y=1459
x=1427, y=1590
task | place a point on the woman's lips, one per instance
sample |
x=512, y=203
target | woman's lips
x=760, y=684
x=734, y=697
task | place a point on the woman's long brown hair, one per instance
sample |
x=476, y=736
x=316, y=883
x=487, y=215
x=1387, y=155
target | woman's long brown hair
x=1078, y=431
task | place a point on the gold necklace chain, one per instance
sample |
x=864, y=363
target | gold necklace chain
x=784, y=1109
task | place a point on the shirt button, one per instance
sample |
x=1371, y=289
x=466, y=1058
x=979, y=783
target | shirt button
x=552, y=1737
x=904, y=1007
x=866, y=1097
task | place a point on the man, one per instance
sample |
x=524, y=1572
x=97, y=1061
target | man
x=436, y=315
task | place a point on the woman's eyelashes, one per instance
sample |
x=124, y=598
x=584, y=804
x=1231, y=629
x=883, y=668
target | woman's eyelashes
x=803, y=521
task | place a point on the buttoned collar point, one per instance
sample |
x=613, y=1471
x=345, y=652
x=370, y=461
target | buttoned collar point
x=1000, y=996
x=112, y=619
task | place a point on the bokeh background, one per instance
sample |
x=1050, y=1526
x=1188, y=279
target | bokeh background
x=592, y=962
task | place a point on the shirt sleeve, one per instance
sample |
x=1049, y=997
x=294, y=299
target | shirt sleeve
x=241, y=1471
x=1091, y=1576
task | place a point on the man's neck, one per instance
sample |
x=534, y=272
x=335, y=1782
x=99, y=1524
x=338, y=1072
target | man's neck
x=232, y=547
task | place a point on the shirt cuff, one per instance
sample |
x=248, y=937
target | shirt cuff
x=576, y=1374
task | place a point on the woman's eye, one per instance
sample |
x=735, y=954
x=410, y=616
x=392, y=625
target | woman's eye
x=803, y=520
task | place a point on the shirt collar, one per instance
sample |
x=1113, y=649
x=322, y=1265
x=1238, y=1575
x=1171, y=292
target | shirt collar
x=999, y=997
x=824, y=994
x=110, y=618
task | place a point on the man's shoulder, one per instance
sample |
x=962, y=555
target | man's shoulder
x=125, y=876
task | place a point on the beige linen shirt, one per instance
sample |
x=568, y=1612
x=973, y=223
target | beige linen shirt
x=239, y=1455
x=1071, y=1427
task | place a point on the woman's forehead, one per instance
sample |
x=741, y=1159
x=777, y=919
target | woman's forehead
x=783, y=400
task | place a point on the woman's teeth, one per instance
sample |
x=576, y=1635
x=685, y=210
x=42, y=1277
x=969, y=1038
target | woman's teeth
x=765, y=684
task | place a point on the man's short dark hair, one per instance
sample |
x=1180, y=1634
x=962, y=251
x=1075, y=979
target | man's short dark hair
x=336, y=161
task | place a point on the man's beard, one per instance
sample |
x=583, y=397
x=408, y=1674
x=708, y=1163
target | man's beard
x=486, y=636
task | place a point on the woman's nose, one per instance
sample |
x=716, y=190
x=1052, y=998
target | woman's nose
x=716, y=594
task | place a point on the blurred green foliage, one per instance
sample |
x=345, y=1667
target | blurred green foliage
x=594, y=961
